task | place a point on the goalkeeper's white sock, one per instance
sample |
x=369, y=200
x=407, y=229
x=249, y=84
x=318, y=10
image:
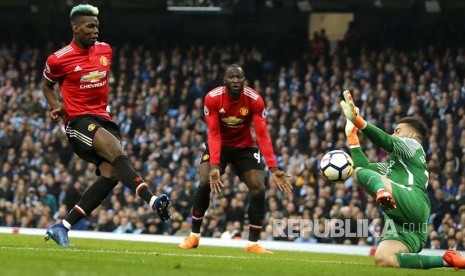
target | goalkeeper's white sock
x=251, y=243
x=195, y=234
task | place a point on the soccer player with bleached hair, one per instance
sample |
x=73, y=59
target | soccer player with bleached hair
x=81, y=70
x=399, y=188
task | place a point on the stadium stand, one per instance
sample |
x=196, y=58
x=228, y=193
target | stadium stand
x=156, y=99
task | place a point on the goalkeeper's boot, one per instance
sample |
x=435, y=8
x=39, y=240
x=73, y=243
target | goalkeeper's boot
x=256, y=249
x=453, y=258
x=161, y=206
x=385, y=199
x=59, y=233
x=190, y=242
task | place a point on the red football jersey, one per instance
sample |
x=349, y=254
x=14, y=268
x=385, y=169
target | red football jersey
x=229, y=123
x=83, y=78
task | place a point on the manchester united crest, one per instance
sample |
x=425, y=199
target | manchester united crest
x=103, y=61
x=91, y=127
x=244, y=111
x=205, y=157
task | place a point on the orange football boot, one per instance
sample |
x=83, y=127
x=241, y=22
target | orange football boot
x=190, y=242
x=453, y=258
x=257, y=249
x=385, y=199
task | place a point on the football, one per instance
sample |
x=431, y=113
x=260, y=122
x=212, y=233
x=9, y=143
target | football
x=336, y=165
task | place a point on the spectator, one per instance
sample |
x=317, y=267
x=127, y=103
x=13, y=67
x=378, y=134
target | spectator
x=48, y=199
x=141, y=76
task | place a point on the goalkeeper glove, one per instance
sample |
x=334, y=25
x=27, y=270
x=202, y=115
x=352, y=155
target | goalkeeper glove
x=351, y=133
x=351, y=112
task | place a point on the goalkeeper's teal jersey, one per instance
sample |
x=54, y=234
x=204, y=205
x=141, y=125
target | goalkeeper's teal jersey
x=407, y=170
x=407, y=164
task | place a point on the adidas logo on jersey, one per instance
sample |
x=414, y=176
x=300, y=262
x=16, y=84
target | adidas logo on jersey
x=77, y=68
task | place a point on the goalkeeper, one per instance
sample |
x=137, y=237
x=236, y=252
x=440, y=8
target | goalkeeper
x=399, y=188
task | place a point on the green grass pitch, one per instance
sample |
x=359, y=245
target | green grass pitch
x=30, y=255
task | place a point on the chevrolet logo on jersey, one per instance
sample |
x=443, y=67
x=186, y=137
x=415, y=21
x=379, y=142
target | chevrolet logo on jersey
x=93, y=76
x=232, y=121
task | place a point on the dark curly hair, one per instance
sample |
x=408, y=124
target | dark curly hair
x=417, y=124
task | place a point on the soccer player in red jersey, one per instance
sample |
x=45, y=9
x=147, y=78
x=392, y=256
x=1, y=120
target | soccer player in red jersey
x=81, y=70
x=229, y=112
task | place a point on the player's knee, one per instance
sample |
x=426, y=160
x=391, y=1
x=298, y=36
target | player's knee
x=257, y=190
x=106, y=170
x=384, y=260
x=114, y=157
x=355, y=172
x=204, y=181
x=110, y=176
x=115, y=152
x=379, y=260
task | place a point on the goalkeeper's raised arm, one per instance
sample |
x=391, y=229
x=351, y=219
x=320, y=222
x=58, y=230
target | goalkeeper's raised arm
x=358, y=156
x=408, y=127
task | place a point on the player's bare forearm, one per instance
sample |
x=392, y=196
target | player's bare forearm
x=56, y=110
x=215, y=166
x=49, y=94
x=51, y=98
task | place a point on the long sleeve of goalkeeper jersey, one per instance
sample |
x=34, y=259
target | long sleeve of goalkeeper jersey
x=360, y=160
x=404, y=147
x=379, y=137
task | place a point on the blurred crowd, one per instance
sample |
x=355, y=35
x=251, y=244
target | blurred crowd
x=156, y=97
x=197, y=3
